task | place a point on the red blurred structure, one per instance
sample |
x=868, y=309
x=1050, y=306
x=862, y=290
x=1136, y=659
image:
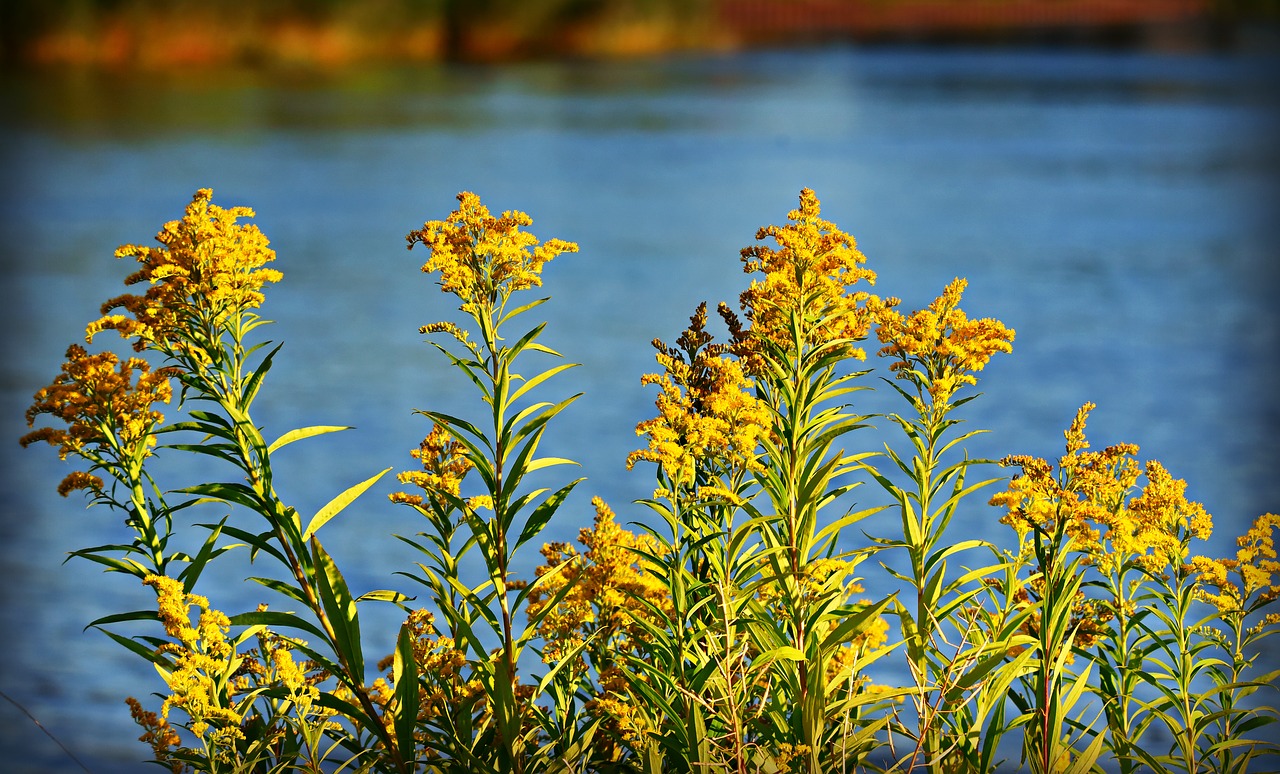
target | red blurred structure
x=757, y=21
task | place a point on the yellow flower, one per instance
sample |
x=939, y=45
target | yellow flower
x=608, y=588
x=295, y=678
x=1151, y=529
x=708, y=414
x=1255, y=567
x=158, y=734
x=208, y=269
x=106, y=408
x=788, y=752
x=444, y=466
x=201, y=655
x=1088, y=504
x=1088, y=492
x=1213, y=584
x=810, y=274
x=939, y=348
x=483, y=259
x=624, y=718
x=440, y=664
x=1154, y=528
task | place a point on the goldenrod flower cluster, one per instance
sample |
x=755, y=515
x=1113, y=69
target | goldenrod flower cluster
x=483, y=259
x=158, y=734
x=1091, y=493
x=1088, y=505
x=612, y=589
x=843, y=661
x=208, y=269
x=1153, y=528
x=106, y=408
x=786, y=753
x=444, y=466
x=708, y=416
x=272, y=663
x=1255, y=566
x=624, y=718
x=201, y=655
x=440, y=664
x=809, y=274
x=939, y=348
x=609, y=586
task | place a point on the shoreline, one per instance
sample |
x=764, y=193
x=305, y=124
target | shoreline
x=199, y=38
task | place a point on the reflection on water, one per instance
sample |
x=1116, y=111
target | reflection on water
x=1113, y=208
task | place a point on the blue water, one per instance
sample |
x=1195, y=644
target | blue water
x=1116, y=209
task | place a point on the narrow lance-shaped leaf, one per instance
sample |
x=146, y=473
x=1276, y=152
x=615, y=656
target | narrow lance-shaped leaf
x=405, y=676
x=254, y=382
x=276, y=619
x=543, y=513
x=337, y=504
x=302, y=433
x=340, y=607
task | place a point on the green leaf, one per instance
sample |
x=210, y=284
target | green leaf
x=340, y=607
x=224, y=452
x=345, y=708
x=137, y=615
x=542, y=377
x=833, y=529
x=543, y=513
x=250, y=390
x=256, y=541
x=525, y=341
x=231, y=493
x=335, y=506
x=1084, y=763
x=128, y=566
x=304, y=432
x=405, y=676
x=384, y=595
x=276, y=619
x=521, y=309
x=784, y=653
x=211, y=418
x=138, y=648
x=287, y=589
x=208, y=550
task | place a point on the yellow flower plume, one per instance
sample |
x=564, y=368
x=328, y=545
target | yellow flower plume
x=483, y=259
x=208, y=268
x=708, y=414
x=1093, y=492
x=1255, y=567
x=444, y=466
x=939, y=347
x=809, y=273
x=107, y=409
x=201, y=653
x=608, y=586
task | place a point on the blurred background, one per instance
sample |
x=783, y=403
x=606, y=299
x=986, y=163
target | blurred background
x=1103, y=173
x=173, y=33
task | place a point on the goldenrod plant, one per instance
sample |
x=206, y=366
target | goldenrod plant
x=733, y=624
x=487, y=720
x=955, y=647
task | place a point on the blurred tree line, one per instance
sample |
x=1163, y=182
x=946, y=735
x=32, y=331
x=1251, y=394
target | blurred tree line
x=234, y=31
x=515, y=27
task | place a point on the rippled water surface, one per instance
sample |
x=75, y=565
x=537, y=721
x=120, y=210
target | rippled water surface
x=1115, y=209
